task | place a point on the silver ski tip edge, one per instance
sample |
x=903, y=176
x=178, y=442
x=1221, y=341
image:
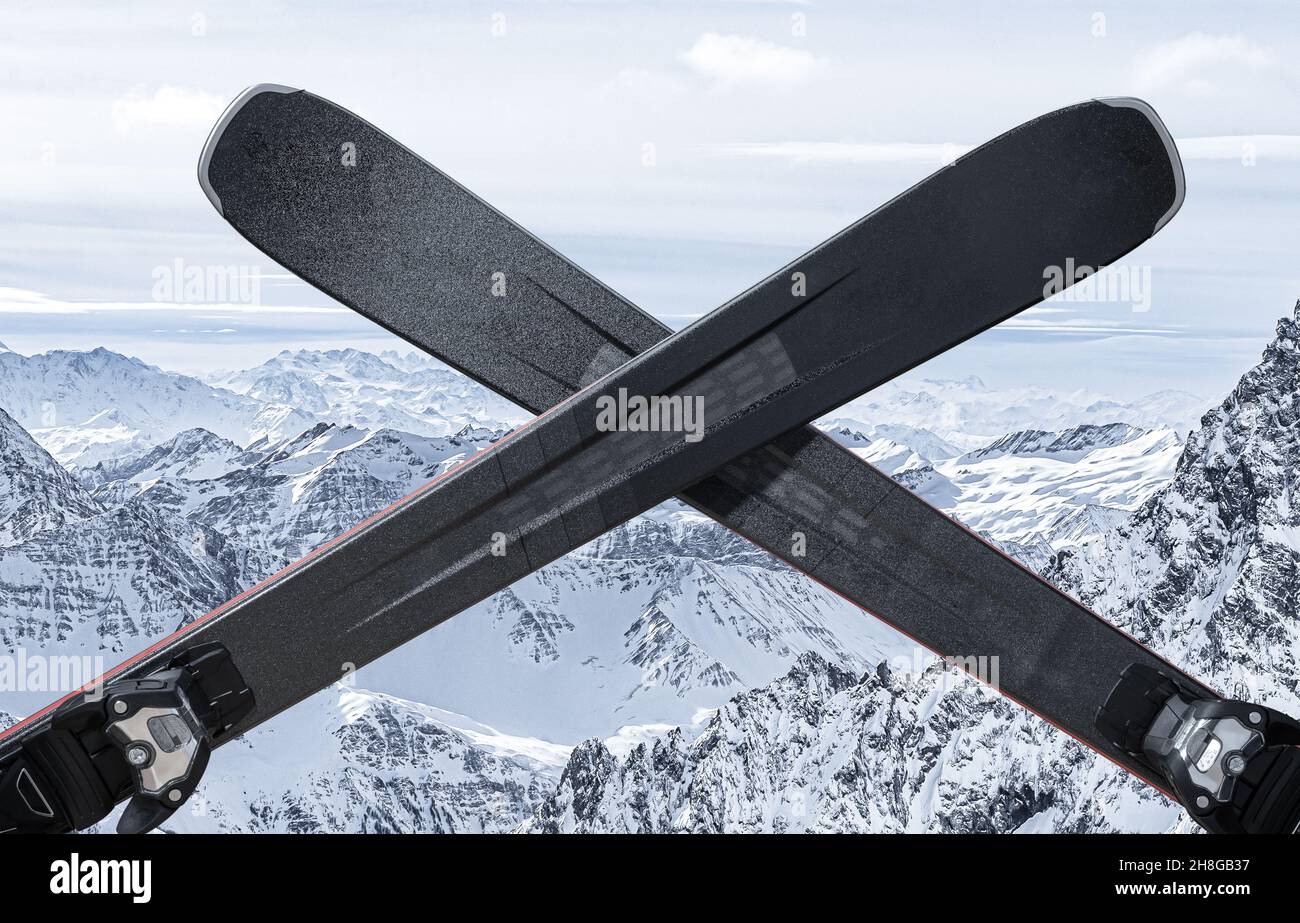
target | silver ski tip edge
x=205, y=159
x=1175, y=162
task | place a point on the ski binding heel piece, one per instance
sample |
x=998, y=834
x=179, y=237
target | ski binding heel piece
x=164, y=744
x=164, y=725
x=1233, y=765
x=148, y=738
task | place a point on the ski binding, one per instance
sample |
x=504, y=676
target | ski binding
x=1233, y=765
x=148, y=737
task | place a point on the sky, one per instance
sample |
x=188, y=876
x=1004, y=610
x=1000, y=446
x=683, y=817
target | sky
x=677, y=151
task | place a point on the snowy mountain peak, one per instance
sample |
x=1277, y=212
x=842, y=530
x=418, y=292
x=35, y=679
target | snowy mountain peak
x=36, y=494
x=967, y=414
x=97, y=360
x=355, y=362
x=879, y=440
x=357, y=760
x=1034, y=487
x=358, y=388
x=408, y=361
x=88, y=407
x=471, y=433
x=1071, y=442
x=1205, y=570
x=1288, y=331
x=745, y=770
x=193, y=453
x=821, y=750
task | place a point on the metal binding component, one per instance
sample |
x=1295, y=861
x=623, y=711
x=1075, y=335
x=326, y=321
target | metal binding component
x=1233, y=765
x=149, y=738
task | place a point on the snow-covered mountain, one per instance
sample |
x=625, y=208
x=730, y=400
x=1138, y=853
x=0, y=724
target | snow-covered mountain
x=822, y=749
x=411, y=394
x=286, y=498
x=890, y=447
x=1056, y=488
x=36, y=494
x=169, y=534
x=97, y=406
x=194, y=454
x=411, y=360
x=110, y=584
x=1031, y=491
x=106, y=435
x=969, y=414
x=351, y=760
x=1207, y=570
x=85, y=407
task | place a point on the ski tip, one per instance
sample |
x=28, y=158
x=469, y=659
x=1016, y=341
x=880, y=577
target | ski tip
x=1175, y=162
x=205, y=158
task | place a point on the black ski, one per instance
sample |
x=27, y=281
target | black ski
x=910, y=564
x=1087, y=183
x=274, y=172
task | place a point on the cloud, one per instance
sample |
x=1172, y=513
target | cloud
x=1276, y=148
x=738, y=59
x=1241, y=147
x=1203, y=65
x=651, y=86
x=841, y=152
x=1084, y=325
x=167, y=107
x=23, y=301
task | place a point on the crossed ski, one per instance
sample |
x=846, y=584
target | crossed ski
x=393, y=238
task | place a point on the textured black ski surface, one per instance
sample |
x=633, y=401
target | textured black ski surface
x=403, y=244
x=1087, y=183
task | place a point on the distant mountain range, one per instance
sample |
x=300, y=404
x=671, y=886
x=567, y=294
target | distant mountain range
x=88, y=407
x=968, y=414
x=715, y=688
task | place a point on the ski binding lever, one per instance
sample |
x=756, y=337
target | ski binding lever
x=1233, y=765
x=148, y=737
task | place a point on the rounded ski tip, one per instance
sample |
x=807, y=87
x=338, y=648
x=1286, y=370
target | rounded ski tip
x=205, y=158
x=1175, y=162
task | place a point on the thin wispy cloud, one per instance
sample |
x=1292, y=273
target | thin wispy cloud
x=1084, y=325
x=1244, y=148
x=740, y=59
x=21, y=301
x=843, y=152
x=1221, y=147
x=1203, y=64
x=165, y=107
